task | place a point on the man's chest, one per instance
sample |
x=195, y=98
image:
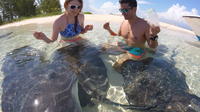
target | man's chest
x=135, y=32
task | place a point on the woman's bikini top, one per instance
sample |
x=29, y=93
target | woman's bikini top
x=69, y=31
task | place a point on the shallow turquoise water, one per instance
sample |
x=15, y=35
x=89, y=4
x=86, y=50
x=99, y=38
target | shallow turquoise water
x=172, y=47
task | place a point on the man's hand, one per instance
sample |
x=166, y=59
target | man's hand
x=154, y=30
x=106, y=26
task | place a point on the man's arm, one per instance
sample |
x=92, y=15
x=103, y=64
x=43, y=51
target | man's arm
x=106, y=26
x=151, y=36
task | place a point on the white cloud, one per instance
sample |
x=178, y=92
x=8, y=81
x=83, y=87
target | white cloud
x=176, y=12
x=106, y=8
x=110, y=7
x=88, y=5
x=143, y=2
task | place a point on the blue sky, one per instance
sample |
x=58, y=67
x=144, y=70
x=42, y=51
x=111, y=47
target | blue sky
x=170, y=11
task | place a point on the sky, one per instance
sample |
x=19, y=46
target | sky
x=170, y=11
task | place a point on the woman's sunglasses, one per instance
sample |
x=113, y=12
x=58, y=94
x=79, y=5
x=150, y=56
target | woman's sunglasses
x=75, y=7
x=124, y=10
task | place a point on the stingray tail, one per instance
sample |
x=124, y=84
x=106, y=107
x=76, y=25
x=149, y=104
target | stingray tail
x=131, y=107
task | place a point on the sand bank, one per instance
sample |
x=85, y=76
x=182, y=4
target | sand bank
x=93, y=17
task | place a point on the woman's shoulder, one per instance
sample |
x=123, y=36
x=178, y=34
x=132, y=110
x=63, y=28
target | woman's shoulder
x=60, y=22
x=60, y=19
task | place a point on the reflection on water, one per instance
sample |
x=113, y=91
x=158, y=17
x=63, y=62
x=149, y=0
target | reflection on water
x=166, y=82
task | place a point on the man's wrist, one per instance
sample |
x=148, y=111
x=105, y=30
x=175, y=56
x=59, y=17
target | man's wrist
x=83, y=31
x=154, y=38
x=113, y=34
x=109, y=29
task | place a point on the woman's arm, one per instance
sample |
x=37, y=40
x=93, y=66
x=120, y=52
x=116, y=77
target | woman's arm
x=42, y=36
x=87, y=27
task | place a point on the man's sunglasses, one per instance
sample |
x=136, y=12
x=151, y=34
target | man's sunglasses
x=124, y=10
x=75, y=7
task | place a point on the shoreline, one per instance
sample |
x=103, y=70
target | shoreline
x=93, y=17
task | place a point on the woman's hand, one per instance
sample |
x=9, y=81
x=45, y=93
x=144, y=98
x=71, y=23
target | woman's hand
x=106, y=26
x=88, y=27
x=39, y=35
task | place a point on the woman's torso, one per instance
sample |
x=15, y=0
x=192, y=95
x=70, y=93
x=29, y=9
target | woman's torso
x=70, y=28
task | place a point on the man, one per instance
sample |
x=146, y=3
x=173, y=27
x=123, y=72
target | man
x=136, y=31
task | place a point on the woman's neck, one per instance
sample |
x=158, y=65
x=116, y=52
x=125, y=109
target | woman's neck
x=68, y=14
x=70, y=18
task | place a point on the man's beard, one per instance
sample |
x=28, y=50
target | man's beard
x=126, y=17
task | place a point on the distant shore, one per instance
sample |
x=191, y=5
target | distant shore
x=93, y=17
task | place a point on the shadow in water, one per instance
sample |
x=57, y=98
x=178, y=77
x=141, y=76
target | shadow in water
x=161, y=50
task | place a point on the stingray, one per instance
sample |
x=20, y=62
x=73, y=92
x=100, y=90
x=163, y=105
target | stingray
x=5, y=35
x=32, y=84
x=91, y=72
x=159, y=83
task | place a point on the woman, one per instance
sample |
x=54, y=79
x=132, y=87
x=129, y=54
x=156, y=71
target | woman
x=69, y=25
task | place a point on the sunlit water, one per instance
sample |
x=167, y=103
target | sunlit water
x=172, y=47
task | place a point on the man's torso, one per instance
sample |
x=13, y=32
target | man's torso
x=135, y=33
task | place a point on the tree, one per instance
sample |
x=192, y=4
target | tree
x=1, y=20
x=7, y=9
x=49, y=6
x=25, y=7
x=1, y=14
x=12, y=9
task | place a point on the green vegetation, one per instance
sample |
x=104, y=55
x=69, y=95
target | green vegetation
x=12, y=9
x=1, y=21
x=30, y=17
x=16, y=10
x=87, y=13
x=49, y=6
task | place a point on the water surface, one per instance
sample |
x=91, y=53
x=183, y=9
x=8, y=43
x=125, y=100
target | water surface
x=172, y=48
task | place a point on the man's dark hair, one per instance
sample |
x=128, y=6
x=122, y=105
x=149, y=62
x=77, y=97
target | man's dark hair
x=132, y=3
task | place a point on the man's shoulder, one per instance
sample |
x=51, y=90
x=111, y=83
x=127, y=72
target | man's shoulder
x=143, y=21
